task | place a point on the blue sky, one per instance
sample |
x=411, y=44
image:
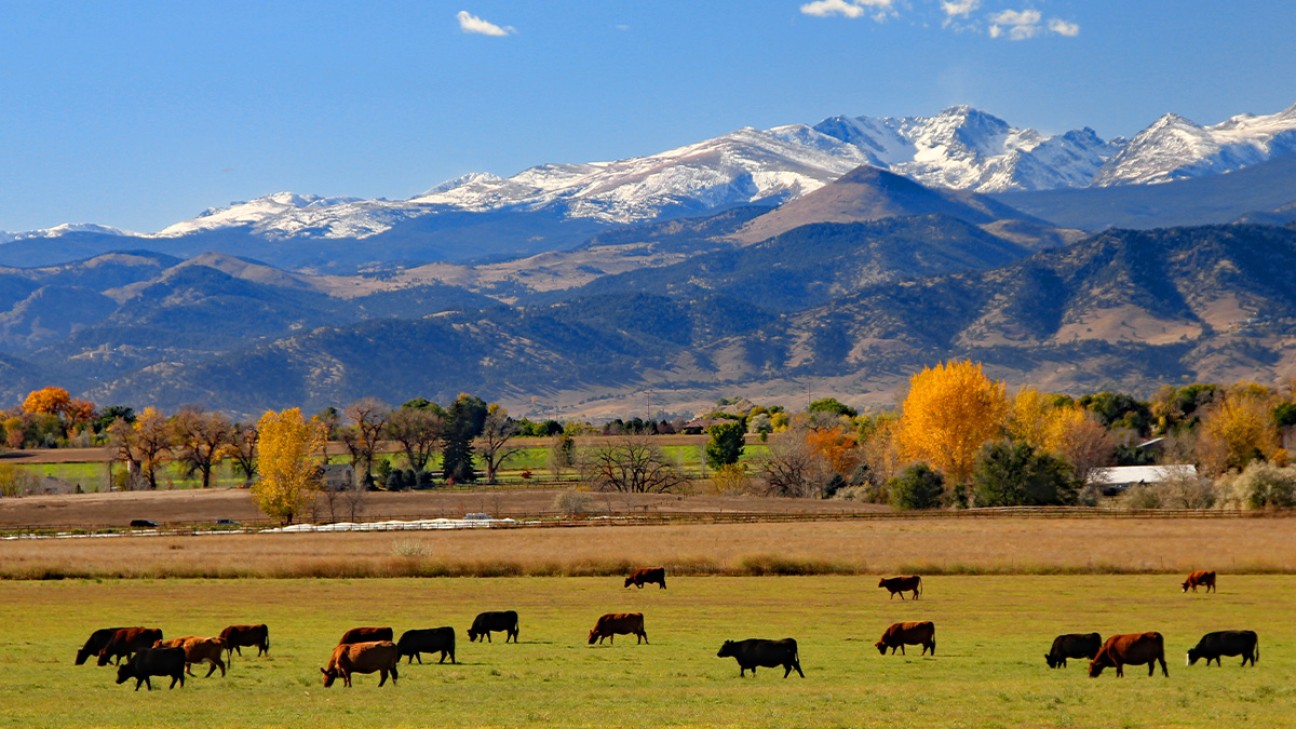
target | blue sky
x=140, y=114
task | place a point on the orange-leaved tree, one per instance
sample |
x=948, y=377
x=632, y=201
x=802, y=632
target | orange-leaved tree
x=1238, y=429
x=289, y=473
x=47, y=400
x=951, y=410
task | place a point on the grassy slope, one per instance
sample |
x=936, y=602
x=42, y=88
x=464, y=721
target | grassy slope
x=989, y=671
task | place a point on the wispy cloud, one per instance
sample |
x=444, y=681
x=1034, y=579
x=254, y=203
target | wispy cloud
x=470, y=23
x=1061, y=27
x=879, y=10
x=1021, y=25
x=959, y=8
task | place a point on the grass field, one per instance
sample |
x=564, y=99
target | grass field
x=988, y=672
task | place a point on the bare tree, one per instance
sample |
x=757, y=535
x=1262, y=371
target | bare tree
x=791, y=467
x=368, y=421
x=200, y=439
x=419, y=431
x=630, y=464
x=143, y=445
x=242, y=448
x=498, y=430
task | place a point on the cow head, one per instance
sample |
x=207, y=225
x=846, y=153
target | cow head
x=629, y=581
x=82, y=655
x=1186, y=585
x=472, y=635
x=882, y=582
x=1193, y=656
x=593, y=636
x=103, y=657
x=1052, y=662
x=1096, y=668
x=881, y=646
x=726, y=650
x=330, y=675
x=124, y=673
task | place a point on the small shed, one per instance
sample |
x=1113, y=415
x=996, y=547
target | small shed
x=338, y=477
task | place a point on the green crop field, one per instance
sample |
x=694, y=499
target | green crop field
x=989, y=670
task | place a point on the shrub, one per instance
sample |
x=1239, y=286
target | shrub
x=1264, y=485
x=571, y=503
x=1015, y=474
x=917, y=487
x=731, y=479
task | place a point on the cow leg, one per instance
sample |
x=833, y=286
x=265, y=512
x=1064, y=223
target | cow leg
x=189, y=668
x=395, y=675
x=1164, y=671
x=1120, y=670
x=382, y=676
x=902, y=650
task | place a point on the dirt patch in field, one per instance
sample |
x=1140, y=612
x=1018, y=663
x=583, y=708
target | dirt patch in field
x=188, y=507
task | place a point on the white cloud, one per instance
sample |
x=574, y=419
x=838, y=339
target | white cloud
x=1017, y=24
x=470, y=23
x=1061, y=27
x=959, y=8
x=880, y=9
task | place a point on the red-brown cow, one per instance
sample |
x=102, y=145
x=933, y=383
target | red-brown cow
x=901, y=585
x=365, y=635
x=198, y=650
x=128, y=641
x=613, y=624
x=901, y=634
x=1204, y=578
x=237, y=637
x=381, y=656
x=647, y=575
x=1133, y=649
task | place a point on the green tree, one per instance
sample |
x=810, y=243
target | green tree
x=1015, y=474
x=832, y=406
x=465, y=420
x=917, y=487
x=726, y=444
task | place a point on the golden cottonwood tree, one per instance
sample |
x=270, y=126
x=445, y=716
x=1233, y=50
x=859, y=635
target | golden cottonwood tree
x=290, y=476
x=1239, y=429
x=951, y=410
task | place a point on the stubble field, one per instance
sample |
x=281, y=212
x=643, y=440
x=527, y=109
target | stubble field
x=989, y=670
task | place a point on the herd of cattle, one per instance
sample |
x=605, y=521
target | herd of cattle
x=372, y=650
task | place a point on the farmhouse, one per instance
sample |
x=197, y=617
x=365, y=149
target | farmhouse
x=1116, y=479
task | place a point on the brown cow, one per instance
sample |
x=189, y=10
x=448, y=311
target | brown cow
x=901, y=585
x=198, y=650
x=901, y=634
x=1205, y=578
x=647, y=575
x=1133, y=649
x=380, y=655
x=95, y=643
x=237, y=637
x=127, y=641
x=613, y=624
x=365, y=635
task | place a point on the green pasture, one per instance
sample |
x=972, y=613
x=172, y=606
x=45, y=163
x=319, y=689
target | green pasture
x=989, y=669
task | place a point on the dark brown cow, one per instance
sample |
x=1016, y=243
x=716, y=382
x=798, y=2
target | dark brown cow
x=1243, y=643
x=613, y=624
x=1072, y=645
x=153, y=662
x=237, y=637
x=95, y=643
x=126, y=641
x=1133, y=649
x=494, y=621
x=198, y=650
x=1204, y=578
x=901, y=585
x=647, y=575
x=755, y=652
x=365, y=635
x=413, y=643
x=901, y=634
x=382, y=656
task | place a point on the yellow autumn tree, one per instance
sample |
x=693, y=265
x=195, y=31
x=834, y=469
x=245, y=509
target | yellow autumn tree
x=951, y=410
x=1239, y=429
x=47, y=400
x=290, y=475
x=1029, y=416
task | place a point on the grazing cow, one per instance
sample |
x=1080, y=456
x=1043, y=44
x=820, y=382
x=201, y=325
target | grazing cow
x=1205, y=578
x=898, y=635
x=491, y=622
x=237, y=637
x=755, y=652
x=613, y=624
x=126, y=641
x=901, y=585
x=1072, y=645
x=414, y=642
x=647, y=575
x=365, y=635
x=95, y=643
x=153, y=662
x=1133, y=649
x=198, y=650
x=380, y=655
x=1243, y=643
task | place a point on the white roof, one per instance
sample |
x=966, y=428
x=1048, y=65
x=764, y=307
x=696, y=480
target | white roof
x=1116, y=475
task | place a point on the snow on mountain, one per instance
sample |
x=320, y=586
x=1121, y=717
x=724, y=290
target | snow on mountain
x=59, y=231
x=1174, y=148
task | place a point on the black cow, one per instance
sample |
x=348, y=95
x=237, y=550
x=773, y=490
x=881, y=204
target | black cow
x=153, y=662
x=755, y=652
x=1073, y=645
x=414, y=642
x=1243, y=643
x=95, y=643
x=491, y=622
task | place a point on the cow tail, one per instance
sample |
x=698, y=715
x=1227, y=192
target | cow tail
x=1255, y=655
x=918, y=587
